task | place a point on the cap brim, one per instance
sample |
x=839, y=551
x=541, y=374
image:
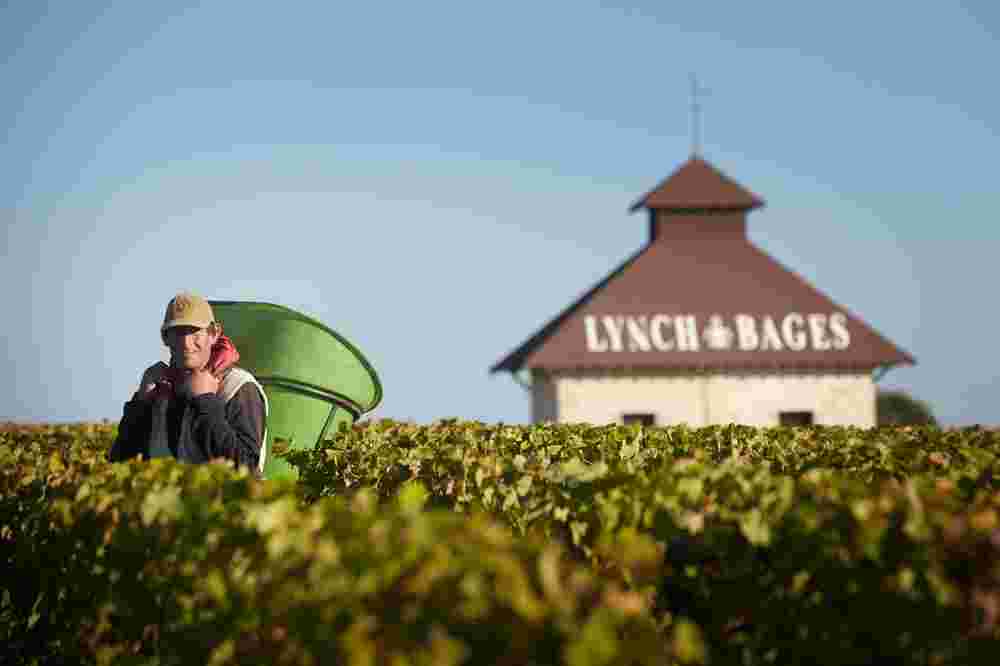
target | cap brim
x=185, y=322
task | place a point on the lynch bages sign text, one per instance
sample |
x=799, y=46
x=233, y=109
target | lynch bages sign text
x=741, y=332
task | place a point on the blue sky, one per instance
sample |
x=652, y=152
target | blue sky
x=436, y=180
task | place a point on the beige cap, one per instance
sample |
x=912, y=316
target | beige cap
x=187, y=309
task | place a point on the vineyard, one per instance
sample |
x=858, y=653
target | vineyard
x=466, y=543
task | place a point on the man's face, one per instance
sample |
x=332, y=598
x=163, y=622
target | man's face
x=190, y=346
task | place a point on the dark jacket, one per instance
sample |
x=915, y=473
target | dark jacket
x=196, y=429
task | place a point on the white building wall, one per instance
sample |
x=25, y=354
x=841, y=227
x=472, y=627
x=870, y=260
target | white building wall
x=544, y=406
x=703, y=399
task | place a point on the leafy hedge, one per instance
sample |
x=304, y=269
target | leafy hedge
x=785, y=545
x=164, y=563
x=460, y=542
x=380, y=452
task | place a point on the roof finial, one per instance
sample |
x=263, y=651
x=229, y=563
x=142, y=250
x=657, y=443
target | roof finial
x=696, y=90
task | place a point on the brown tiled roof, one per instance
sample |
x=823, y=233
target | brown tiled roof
x=703, y=277
x=697, y=185
x=701, y=264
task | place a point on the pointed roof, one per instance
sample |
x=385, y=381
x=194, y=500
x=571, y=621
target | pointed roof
x=709, y=283
x=697, y=185
x=709, y=280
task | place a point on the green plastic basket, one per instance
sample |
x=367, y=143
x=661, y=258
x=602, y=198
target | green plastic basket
x=313, y=377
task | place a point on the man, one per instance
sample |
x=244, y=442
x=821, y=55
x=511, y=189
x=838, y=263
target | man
x=193, y=409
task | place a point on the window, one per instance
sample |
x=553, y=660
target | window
x=641, y=419
x=795, y=418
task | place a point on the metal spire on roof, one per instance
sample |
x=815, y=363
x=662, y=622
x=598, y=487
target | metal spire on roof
x=696, y=114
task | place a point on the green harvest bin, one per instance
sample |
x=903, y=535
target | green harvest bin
x=314, y=378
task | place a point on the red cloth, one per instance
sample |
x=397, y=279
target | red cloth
x=224, y=354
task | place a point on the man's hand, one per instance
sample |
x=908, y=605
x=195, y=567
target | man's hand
x=150, y=378
x=200, y=382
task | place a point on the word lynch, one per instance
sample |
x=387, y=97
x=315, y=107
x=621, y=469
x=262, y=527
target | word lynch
x=742, y=332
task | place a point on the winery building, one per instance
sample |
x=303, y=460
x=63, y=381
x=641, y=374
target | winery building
x=702, y=327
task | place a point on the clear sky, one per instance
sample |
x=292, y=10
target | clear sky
x=436, y=180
